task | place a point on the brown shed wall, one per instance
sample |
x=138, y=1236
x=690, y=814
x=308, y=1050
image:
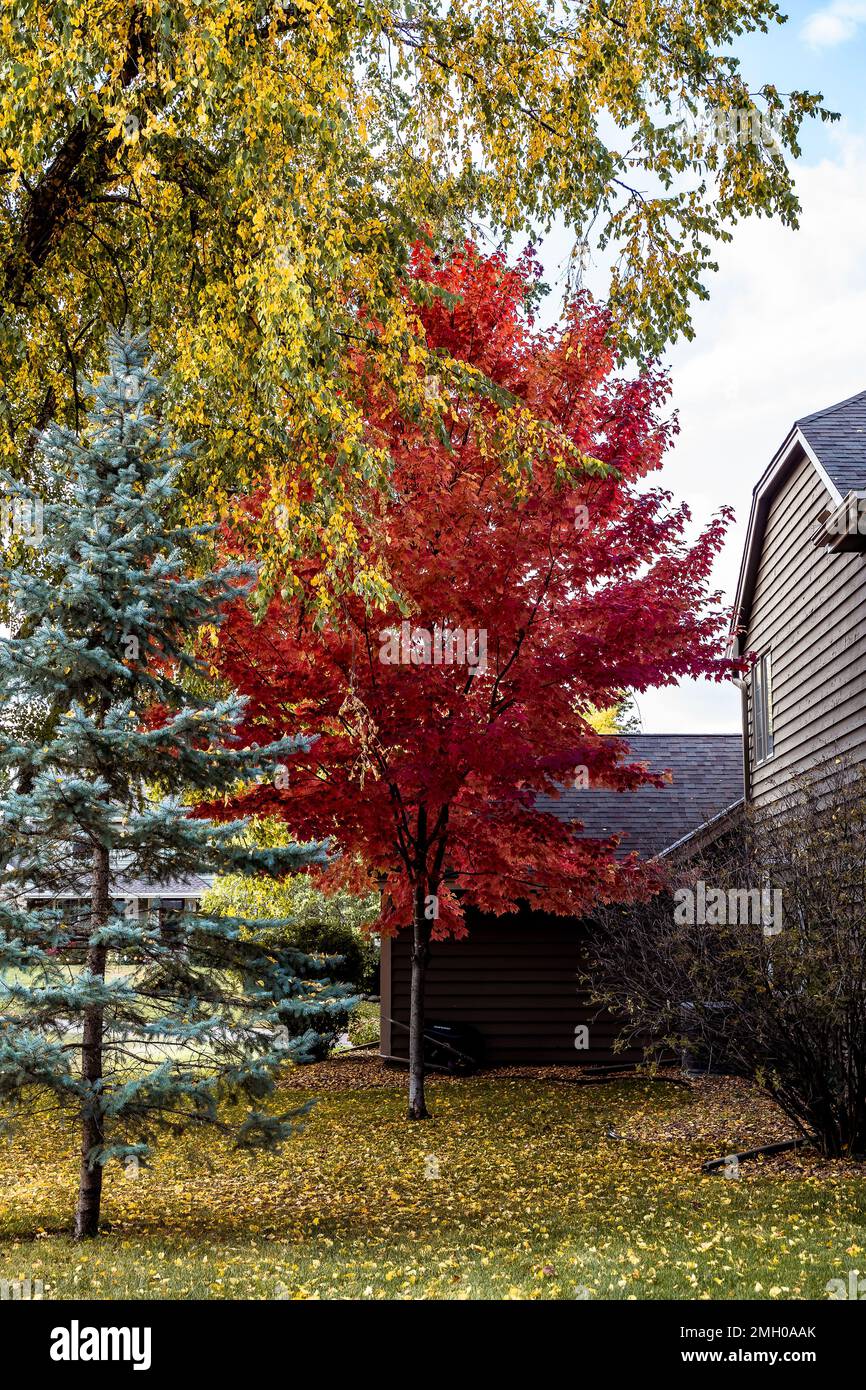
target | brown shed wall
x=513, y=978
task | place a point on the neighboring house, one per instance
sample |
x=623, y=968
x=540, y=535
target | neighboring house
x=137, y=899
x=800, y=603
x=514, y=978
x=159, y=904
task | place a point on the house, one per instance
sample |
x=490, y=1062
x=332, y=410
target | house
x=514, y=978
x=157, y=904
x=800, y=604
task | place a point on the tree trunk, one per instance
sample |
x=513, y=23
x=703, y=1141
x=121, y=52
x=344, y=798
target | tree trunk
x=420, y=953
x=92, y=1125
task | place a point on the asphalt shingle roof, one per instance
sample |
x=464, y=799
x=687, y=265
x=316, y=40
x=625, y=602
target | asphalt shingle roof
x=707, y=772
x=838, y=437
x=193, y=887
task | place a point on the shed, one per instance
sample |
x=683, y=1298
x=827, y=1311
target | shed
x=515, y=978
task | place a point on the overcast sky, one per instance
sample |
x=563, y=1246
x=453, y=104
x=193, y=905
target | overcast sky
x=784, y=332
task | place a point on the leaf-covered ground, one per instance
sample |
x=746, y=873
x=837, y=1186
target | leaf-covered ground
x=519, y=1187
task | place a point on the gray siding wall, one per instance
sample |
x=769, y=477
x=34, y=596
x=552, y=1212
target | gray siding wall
x=809, y=611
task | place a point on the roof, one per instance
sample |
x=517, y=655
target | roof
x=838, y=437
x=696, y=840
x=707, y=778
x=193, y=887
x=834, y=441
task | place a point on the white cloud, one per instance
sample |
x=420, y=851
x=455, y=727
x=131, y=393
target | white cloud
x=782, y=334
x=835, y=24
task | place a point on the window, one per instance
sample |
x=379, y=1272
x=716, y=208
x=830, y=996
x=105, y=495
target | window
x=762, y=708
x=170, y=913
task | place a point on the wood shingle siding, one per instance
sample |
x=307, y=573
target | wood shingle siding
x=801, y=597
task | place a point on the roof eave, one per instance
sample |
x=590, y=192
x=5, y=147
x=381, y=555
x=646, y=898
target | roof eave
x=714, y=823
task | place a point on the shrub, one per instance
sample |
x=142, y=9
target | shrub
x=338, y=924
x=764, y=966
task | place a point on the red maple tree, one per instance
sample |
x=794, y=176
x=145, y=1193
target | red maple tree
x=521, y=604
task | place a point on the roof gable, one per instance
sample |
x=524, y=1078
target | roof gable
x=837, y=435
x=834, y=442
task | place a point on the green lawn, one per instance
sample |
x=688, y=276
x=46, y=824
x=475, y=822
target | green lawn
x=513, y=1190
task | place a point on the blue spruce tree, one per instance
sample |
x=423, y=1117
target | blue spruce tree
x=151, y=1029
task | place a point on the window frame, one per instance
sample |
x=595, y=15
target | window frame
x=762, y=709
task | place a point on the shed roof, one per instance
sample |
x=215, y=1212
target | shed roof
x=707, y=777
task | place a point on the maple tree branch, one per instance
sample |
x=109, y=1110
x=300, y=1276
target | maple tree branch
x=496, y=708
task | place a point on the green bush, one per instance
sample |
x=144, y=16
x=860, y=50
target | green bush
x=336, y=924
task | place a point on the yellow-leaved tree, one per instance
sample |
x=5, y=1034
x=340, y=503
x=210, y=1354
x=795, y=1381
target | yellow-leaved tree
x=246, y=178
